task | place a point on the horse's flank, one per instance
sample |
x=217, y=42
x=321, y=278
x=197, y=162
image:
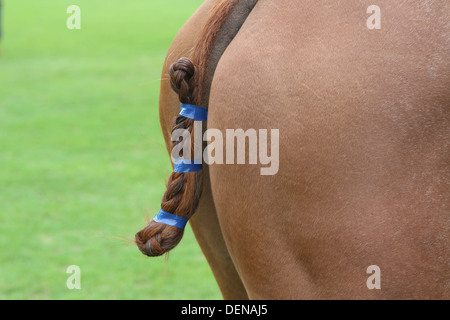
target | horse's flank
x=364, y=176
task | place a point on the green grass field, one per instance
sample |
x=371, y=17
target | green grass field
x=82, y=158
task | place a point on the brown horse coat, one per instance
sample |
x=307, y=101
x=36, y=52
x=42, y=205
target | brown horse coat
x=364, y=151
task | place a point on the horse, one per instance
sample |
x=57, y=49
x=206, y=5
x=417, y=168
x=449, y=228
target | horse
x=359, y=206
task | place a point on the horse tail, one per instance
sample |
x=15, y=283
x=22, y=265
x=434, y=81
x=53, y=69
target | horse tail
x=191, y=80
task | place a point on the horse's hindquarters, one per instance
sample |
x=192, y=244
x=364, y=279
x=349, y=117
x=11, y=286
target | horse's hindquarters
x=363, y=123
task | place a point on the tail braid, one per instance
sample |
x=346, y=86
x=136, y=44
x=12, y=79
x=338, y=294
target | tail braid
x=183, y=189
x=191, y=83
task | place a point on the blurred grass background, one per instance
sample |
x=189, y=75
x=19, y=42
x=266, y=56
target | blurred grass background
x=82, y=157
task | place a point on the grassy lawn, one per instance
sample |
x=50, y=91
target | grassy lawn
x=82, y=158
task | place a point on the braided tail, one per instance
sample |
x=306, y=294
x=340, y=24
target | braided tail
x=191, y=81
x=183, y=189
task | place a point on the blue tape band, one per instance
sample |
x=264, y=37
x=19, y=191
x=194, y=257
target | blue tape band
x=170, y=219
x=194, y=112
x=185, y=166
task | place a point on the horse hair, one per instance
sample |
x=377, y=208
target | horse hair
x=185, y=189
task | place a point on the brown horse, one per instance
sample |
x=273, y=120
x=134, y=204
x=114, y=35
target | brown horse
x=364, y=126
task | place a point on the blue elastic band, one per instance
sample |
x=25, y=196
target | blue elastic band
x=185, y=166
x=194, y=112
x=170, y=219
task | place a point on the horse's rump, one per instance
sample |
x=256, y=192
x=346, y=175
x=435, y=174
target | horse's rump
x=363, y=119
